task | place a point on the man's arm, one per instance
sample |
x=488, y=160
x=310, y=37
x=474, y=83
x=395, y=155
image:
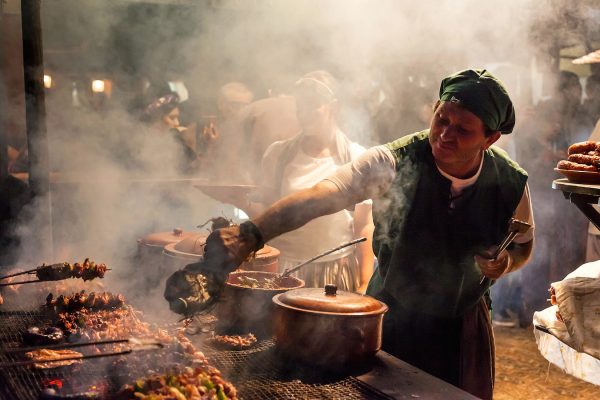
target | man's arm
x=227, y=248
x=520, y=254
x=299, y=208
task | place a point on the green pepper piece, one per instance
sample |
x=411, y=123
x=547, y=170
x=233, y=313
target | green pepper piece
x=139, y=386
x=220, y=394
x=208, y=384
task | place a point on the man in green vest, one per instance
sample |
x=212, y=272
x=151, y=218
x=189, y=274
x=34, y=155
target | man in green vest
x=443, y=199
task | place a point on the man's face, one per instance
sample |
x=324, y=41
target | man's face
x=171, y=120
x=313, y=112
x=457, y=137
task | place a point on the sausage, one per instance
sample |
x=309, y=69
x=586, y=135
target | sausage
x=585, y=159
x=573, y=166
x=583, y=147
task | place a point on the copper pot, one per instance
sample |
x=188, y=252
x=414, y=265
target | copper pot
x=149, y=254
x=190, y=250
x=244, y=309
x=326, y=327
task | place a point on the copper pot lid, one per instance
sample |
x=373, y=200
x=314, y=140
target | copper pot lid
x=194, y=244
x=329, y=300
x=163, y=238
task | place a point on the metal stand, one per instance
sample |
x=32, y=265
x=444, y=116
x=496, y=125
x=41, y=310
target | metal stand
x=583, y=195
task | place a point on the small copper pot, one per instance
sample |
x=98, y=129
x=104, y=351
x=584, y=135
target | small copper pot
x=243, y=309
x=149, y=254
x=190, y=250
x=326, y=327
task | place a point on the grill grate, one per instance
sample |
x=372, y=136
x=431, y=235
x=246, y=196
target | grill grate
x=26, y=383
x=102, y=375
x=259, y=373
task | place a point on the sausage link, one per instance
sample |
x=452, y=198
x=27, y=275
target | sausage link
x=585, y=159
x=583, y=147
x=573, y=166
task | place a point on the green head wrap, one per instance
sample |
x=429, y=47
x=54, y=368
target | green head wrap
x=484, y=95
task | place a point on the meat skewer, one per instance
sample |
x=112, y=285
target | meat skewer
x=132, y=341
x=19, y=283
x=87, y=270
x=136, y=345
x=30, y=271
x=83, y=357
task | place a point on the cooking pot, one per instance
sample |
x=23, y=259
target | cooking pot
x=190, y=250
x=327, y=327
x=149, y=253
x=244, y=309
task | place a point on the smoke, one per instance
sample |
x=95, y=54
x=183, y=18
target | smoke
x=115, y=185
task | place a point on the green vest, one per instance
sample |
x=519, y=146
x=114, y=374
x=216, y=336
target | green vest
x=424, y=249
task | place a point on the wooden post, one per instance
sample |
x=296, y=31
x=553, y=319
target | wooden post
x=3, y=104
x=35, y=113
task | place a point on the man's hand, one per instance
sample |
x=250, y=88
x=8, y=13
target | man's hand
x=226, y=248
x=210, y=134
x=494, y=268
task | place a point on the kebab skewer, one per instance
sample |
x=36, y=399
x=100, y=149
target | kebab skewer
x=87, y=271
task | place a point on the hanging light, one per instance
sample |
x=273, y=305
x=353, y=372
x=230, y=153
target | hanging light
x=98, y=86
x=47, y=81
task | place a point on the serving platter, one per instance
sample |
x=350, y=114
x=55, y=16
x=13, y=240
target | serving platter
x=580, y=176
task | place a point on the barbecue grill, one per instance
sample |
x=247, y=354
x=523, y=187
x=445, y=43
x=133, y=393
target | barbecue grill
x=258, y=373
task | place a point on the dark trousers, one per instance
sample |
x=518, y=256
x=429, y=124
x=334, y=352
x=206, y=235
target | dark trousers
x=457, y=350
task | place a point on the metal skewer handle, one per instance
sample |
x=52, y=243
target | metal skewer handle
x=287, y=272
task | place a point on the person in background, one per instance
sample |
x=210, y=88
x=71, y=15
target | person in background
x=443, y=198
x=262, y=123
x=590, y=109
x=161, y=117
x=549, y=129
x=302, y=161
x=221, y=142
x=592, y=251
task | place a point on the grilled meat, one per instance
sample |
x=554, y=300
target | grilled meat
x=234, y=342
x=82, y=300
x=87, y=271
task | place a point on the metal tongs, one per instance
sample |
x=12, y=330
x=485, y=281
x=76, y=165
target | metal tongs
x=135, y=345
x=515, y=227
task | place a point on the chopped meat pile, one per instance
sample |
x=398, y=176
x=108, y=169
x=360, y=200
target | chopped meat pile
x=234, y=342
x=261, y=283
x=192, y=383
